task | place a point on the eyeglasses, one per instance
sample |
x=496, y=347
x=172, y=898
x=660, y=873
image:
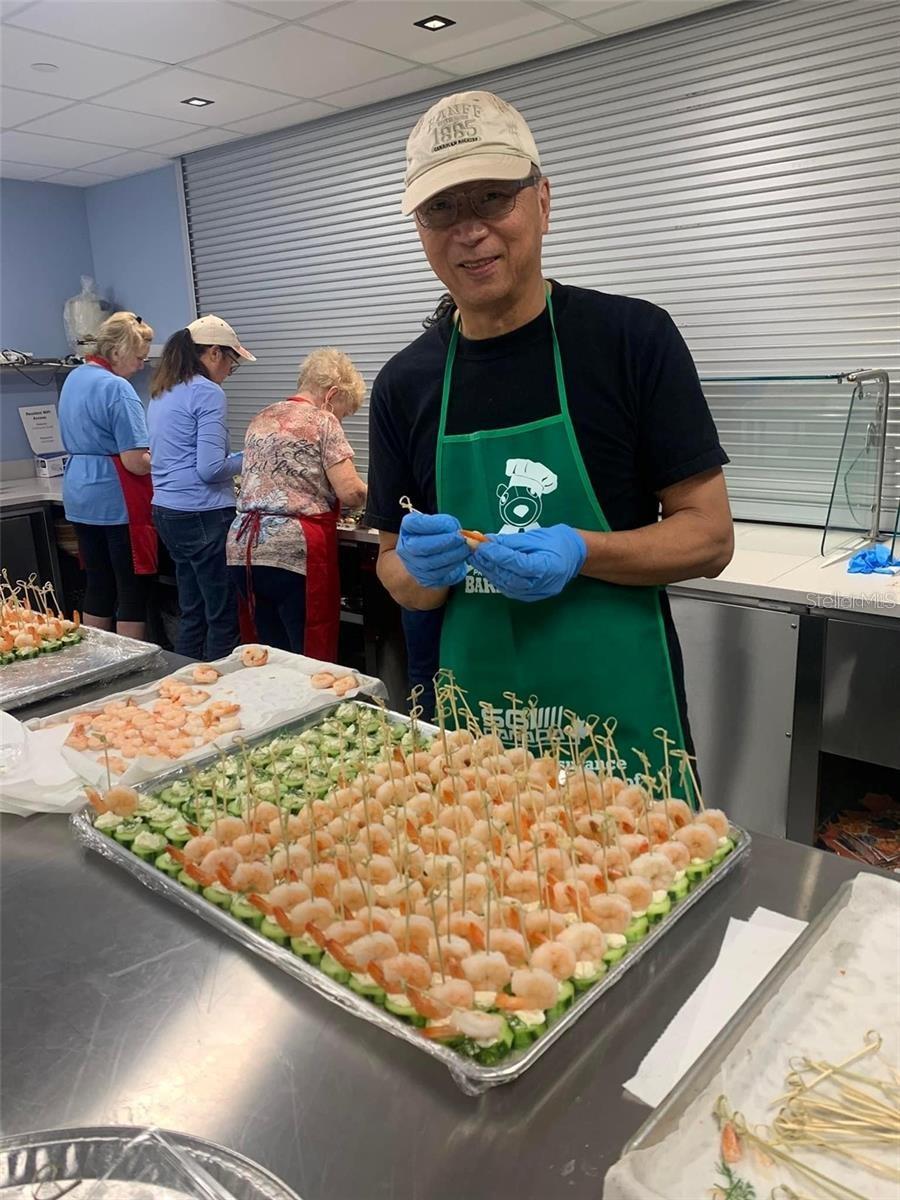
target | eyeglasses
x=234, y=359
x=490, y=201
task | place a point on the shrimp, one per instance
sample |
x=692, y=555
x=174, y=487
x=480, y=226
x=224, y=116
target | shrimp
x=345, y=932
x=227, y=829
x=398, y=970
x=631, y=796
x=351, y=896
x=655, y=868
x=716, y=819
x=637, y=890
x=701, y=840
x=473, y=886
x=555, y=957
x=457, y=993
x=193, y=696
x=310, y=912
x=123, y=801
x=566, y=896
x=585, y=940
x=611, y=913
x=511, y=945
x=624, y=817
x=592, y=877
x=541, y=924
x=205, y=673
x=288, y=895
x=249, y=877
x=532, y=988
x=412, y=933
x=321, y=680
x=465, y=925
x=254, y=656
x=252, y=847
x=633, y=844
x=197, y=848
x=222, y=856
x=679, y=813
x=481, y=1026
x=523, y=886
x=486, y=972
x=379, y=869
x=372, y=947
x=345, y=684
x=677, y=854
x=290, y=860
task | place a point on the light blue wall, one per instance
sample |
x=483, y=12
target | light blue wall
x=128, y=234
x=46, y=249
x=139, y=251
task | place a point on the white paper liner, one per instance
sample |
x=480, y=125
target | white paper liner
x=269, y=695
x=847, y=983
x=470, y=1076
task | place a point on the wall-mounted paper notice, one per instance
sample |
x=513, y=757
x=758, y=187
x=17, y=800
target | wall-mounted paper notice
x=42, y=429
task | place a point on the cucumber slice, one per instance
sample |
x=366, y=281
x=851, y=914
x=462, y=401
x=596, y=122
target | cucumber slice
x=524, y=1035
x=566, y=996
x=658, y=910
x=148, y=845
x=614, y=954
x=587, y=981
x=334, y=970
x=679, y=890
x=695, y=872
x=127, y=832
x=637, y=929
x=177, y=835
x=370, y=990
x=489, y=1056
x=307, y=949
x=722, y=852
x=167, y=864
x=406, y=1011
x=218, y=896
x=244, y=911
x=272, y=930
x=191, y=884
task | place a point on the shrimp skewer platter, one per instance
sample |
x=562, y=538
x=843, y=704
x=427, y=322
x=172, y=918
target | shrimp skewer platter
x=31, y=622
x=472, y=890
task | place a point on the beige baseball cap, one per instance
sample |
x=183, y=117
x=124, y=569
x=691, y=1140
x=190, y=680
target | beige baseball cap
x=463, y=138
x=213, y=331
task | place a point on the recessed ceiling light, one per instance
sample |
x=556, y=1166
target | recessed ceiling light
x=434, y=23
x=197, y=101
x=44, y=67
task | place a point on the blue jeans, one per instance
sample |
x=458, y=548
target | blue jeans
x=207, y=601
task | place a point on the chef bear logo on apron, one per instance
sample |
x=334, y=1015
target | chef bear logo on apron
x=520, y=499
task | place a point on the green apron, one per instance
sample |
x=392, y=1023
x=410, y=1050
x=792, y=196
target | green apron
x=595, y=649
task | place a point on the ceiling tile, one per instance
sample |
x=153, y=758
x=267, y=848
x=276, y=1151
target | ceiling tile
x=50, y=151
x=300, y=62
x=131, y=163
x=162, y=95
x=166, y=30
x=282, y=118
x=548, y=41
x=79, y=178
x=193, y=141
x=9, y=8
x=16, y=170
x=388, y=25
x=576, y=9
x=114, y=126
x=415, y=80
x=640, y=13
x=83, y=70
x=288, y=10
x=17, y=106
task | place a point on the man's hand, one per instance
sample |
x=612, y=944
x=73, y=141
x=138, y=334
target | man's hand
x=534, y=565
x=432, y=549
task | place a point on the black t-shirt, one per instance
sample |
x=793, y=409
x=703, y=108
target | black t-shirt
x=639, y=413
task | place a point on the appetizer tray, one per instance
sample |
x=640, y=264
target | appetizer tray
x=470, y=1075
x=121, y=1162
x=837, y=982
x=99, y=655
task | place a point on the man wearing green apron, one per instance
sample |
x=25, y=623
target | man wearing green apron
x=567, y=424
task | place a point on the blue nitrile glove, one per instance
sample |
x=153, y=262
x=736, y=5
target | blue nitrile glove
x=533, y=565
x=432, y=549
x=875, y=560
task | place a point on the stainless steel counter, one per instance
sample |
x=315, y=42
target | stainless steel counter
x=119, y=1008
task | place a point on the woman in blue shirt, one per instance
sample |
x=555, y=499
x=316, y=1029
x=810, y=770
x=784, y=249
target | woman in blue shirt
x=193, y=469
x=106, y=487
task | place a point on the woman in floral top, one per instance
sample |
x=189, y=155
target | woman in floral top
x=298, y=470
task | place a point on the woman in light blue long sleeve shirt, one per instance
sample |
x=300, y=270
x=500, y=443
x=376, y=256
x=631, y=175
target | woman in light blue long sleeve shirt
x=192, y=470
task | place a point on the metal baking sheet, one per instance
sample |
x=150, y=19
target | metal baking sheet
x=665, y=1118
x=99, y=655
x=122, y=1162
x=471, y=1077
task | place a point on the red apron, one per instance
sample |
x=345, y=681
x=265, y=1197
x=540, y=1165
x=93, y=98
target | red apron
x=323, y=581
x=137, y=491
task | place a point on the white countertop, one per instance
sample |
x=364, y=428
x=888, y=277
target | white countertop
x=30, y=491
x=781, y=564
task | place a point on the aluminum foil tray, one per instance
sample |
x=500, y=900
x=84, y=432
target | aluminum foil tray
x=121, y=1162
x=470, y=1076
x=99, y=655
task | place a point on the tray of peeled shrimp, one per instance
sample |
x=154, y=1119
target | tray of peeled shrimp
x=135, y=735
x=471, y=898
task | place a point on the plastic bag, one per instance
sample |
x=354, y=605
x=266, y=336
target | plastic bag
x=83, y=315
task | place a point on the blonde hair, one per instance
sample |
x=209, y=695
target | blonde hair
x=122, y=333
x=327, y=368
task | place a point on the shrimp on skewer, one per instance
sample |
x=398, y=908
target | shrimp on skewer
x=611, y=913
x=716, y=819
x=655, y=868
x=701, y=840
x=532, y=988
x=637, y=891
x=555, y=957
